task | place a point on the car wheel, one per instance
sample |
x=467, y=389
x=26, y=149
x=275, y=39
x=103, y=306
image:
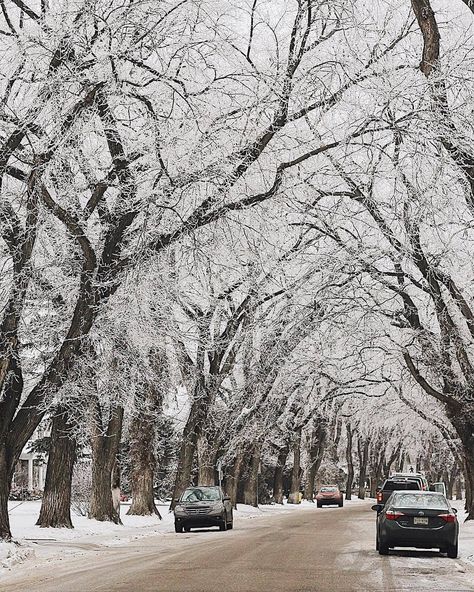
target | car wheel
x=223, y=525
x=452, y=551
x=377, y=542
x=178, y=527
x=341, y=504
x=319, y=505
x=383, y=548
x=187, y=529
x=230, y=525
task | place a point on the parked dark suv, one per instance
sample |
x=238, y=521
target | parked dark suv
x=398, y=484
x=203, y=506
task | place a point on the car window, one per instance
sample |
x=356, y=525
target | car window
x=197, y=494
x=413, y=500
x=328, y=489
x=401, y=485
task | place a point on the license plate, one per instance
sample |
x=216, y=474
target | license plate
x=420, y=521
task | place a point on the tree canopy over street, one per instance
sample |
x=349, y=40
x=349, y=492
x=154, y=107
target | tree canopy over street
x=235, y=240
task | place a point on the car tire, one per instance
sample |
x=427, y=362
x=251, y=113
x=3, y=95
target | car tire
x=187, y=528
x=178, y=527
x=223, y=524
x=383, y=548
x=230, y=524
x=452, y=551
x=341, y=504
x=319, y=505
x=376, y=542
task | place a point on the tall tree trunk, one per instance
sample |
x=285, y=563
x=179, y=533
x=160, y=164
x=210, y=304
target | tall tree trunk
x=143, y=462
x=206, y=454
x=294, y=497
x=465, y=430
x=363, y=451
x=278, y=475
x=458, y=488
x=376, y=476
x=400, y=462
x=234, y=477
x=316, y=452
x=149, y=405
x=104, y=456
x=185, y=459
x=251, y=481
x=450, y=481
x=202, y=398
x=56, y=505
x=6, y=473
x=350, y=462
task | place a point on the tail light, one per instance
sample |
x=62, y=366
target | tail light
x=393, y=515
x=379, y=497
x=448, y=517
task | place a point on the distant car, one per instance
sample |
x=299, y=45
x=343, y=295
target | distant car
x=413, y=477
x=203, y=506
x=329, y=495
x=396, y=483
x=421, y=519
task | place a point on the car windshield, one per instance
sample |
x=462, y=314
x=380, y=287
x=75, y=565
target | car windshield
x=401, y=485
x=328, y=489
x=198, y=494
x=417, y=500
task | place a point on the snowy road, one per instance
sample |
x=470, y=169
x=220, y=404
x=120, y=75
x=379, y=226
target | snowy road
x=323, y=550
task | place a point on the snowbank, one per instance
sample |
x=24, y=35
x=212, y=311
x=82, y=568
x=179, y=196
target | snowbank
x=12, y=553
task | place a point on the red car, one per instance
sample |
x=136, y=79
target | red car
x=329, y=495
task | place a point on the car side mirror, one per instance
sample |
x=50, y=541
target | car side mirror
x=226, y=498
x=454, y=510
x=377, y=508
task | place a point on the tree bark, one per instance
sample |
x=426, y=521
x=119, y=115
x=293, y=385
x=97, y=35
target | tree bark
x=458, y=488
x=450, y=480
x=234, y=477
x=251, y=481
x=149, y=404
x=465, y=430
x=294, y=497
x=206, y=454
x=104, y=456
x=350, y=462
x=143, y=462
x=316, y=452
x=278, y=475
x=363, y=451
x=6, y=472
x=376, y=470
x=56, y=505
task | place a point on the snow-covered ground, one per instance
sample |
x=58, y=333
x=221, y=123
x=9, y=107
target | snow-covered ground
x=92, y=535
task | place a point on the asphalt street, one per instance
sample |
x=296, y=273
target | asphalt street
x=323, y=550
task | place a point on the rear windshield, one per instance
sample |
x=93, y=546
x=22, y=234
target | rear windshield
x=328, y=489
x=401, y=485
x=414, y=500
